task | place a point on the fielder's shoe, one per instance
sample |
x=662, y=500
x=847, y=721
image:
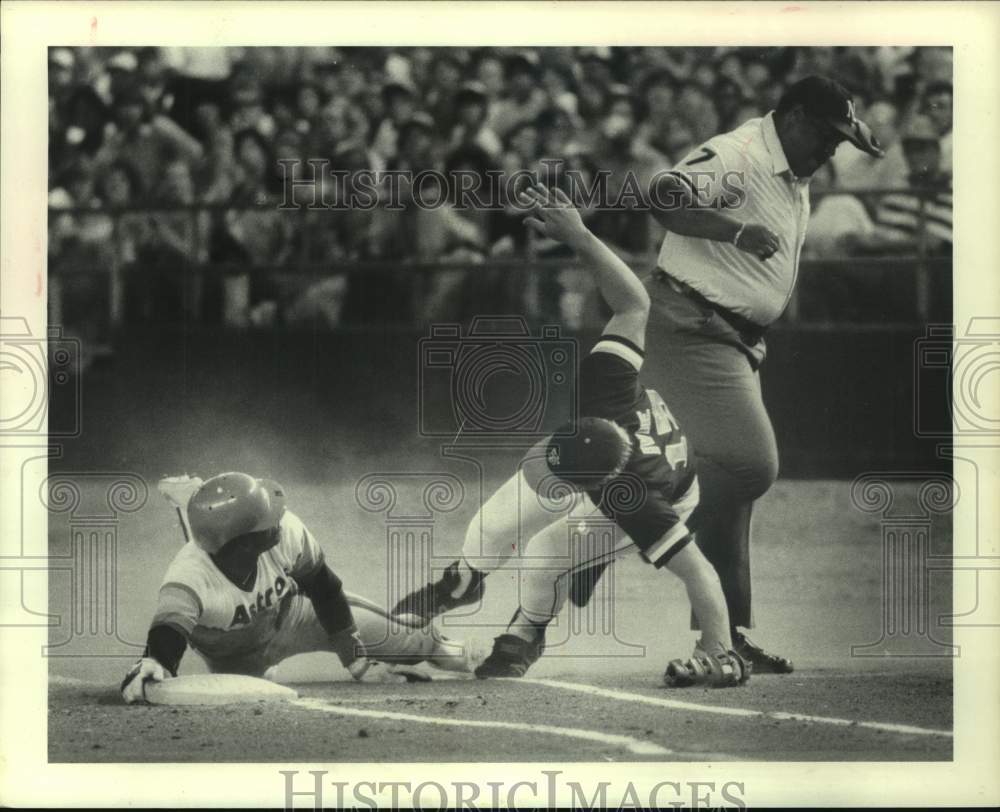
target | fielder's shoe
x=716, y=669
x=512, y=656
x=760, y=661
x=432, y=600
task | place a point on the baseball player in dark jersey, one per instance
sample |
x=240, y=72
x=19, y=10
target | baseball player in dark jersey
x=625, y=459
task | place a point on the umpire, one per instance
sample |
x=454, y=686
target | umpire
x=736, y=210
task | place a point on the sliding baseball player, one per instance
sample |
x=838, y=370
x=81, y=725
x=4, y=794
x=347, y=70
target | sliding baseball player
x=252, y=587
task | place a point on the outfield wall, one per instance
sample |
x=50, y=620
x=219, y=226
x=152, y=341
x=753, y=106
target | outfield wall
x=324, y=404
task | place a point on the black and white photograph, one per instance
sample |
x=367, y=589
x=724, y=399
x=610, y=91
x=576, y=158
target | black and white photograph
x=568, y=405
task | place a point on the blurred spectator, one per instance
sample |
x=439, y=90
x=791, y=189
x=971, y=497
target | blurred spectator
x=145, y=122
x=308, y=102
x=839, y=222
x=729, y=100
x=205, y=64
x=657, y=95
x=938, y=105
x=118, y=188
x=446, y=76
x=919, y=220
x=151, y=77
x=82, y=236
x=523, y=99
x=489, y=71
x=247, y=99
x=521, y=145
x=630, y=165
x=161, y=286
x=342, y=133
x=695, y=108
x=557, y=82
x=557, y=129
x=859, y=171
x=122, y=73
x=471, y=109
x=261, y=233
x=933, y=65
x=400, y=105
x=592, y=101
x=144, y=139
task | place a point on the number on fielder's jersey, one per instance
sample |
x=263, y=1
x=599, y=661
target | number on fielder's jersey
x=706, y=154
x=659, y=432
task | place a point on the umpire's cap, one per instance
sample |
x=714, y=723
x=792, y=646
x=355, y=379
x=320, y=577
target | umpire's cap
x=232, y=504
x=583, y=455
x=830, y=101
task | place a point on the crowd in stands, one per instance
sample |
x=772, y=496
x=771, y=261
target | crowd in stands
x=136, y=132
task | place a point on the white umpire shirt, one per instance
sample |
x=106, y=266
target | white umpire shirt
x=744, y=173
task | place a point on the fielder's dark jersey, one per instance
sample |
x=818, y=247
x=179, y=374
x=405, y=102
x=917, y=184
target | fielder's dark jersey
x=658, y=474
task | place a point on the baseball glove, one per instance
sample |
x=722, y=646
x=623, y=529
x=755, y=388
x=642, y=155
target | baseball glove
x=715, y=669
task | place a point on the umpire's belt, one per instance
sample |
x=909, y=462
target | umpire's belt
x=750, y=332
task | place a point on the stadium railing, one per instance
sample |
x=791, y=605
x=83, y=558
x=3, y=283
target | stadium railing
x=95, y=280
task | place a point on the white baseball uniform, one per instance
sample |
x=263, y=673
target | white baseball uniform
x=247, y=631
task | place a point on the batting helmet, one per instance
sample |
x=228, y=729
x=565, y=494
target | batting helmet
x=584, y=455
x=231, y=504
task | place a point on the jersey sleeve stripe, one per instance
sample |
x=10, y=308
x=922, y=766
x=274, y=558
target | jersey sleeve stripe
x=672, y=542
x=189, y=590
x=622, y=347
x=179, y=624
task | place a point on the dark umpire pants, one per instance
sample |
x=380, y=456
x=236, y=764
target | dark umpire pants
x=705, y=368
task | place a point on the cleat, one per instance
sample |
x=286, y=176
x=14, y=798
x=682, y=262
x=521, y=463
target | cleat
x=512, y=656
x=476, y=650
x=434, y=599
x=720, y=669
x=761, y=662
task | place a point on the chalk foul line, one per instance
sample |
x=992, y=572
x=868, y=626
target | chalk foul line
x=636, y=746
x=677, y=704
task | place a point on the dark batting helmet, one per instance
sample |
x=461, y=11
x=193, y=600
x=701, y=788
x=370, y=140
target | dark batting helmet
x=585, y=455
x=232, y=504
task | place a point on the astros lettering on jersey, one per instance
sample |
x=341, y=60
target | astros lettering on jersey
x=222, y=621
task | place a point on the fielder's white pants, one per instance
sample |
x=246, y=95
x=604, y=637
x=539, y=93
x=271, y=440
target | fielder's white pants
x=551, y=539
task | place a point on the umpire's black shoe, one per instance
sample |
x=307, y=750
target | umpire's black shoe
x=430, y=601
x=761, y=662
x=512, y=656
